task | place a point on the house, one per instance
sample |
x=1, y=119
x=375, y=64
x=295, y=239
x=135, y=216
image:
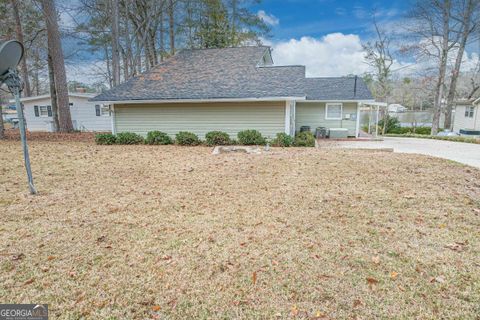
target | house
x=467, y=118
x=233, y=89
x=86, y=115
x=396, y=108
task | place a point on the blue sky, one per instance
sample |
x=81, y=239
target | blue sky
x=316, y=18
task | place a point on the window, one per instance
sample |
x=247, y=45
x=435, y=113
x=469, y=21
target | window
x=469, y=111
x=333, y=111
x=43, y=111
x=102, y=110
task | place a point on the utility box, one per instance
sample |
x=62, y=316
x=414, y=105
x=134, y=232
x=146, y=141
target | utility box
x=338, y=133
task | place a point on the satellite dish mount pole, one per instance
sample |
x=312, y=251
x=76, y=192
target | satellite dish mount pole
x=15, y=85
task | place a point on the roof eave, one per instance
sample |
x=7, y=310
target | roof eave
x=200, y=100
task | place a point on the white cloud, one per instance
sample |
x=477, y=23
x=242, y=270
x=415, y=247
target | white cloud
x=269, y=19
x=335, y=54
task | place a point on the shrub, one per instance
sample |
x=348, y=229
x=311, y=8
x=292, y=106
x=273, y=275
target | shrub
x=185, y=138
x=129, y=138
x=251, y=137
x=305, y=139
x=158, y=137
x=217, y=138
x=105, y=139
x=389, y=122
x=405, y=130
x=283, y=140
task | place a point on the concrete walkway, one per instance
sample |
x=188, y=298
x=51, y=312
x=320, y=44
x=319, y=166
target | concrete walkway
x=466, y=153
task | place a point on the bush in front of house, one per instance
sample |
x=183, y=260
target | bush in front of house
x=105, y=139
x=184, y=138
x=414, y=130
x=217, y=138
x=129, y=138
x=305, y=139
x=251, y=137
x=158, y=138
x=283, y=140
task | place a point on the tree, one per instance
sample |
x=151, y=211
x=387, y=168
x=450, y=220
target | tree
x=468, y=21
x=58, y=65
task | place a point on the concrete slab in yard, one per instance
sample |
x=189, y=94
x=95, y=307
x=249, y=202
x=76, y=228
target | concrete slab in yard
x=466, y=153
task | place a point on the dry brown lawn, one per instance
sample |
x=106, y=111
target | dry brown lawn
x=140, y=232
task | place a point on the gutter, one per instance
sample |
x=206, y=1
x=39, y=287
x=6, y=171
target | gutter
x=197, y=100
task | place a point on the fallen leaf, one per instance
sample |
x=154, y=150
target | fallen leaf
x=156, y=308
x=50, y=258
x=371, y=280
x=357, y=303
x=19, y=256
x=254, y=278
x=393, y=275
x=29, y=281
x=294, y=310
x=438, y=279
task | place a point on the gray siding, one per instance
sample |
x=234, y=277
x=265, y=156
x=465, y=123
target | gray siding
x=200, y=118
x=313, y=114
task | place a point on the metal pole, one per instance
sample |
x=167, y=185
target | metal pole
x=376, y=126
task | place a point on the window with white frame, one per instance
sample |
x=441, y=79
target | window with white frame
x=333, y=111
x=43, y=111
x=469, y=111
x=102, y=110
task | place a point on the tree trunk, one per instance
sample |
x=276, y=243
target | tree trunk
x=162, y=37
x=27, y=92
x=439, y=89
x=171, y=23
x=115, y=45
x=2, y=128
x=55, y=48
x=53, y=94
x=458, y=63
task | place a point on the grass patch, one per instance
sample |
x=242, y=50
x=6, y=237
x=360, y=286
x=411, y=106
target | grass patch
x=135, y=232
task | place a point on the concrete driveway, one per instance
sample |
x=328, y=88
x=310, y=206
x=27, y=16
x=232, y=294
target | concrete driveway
x=466, y=153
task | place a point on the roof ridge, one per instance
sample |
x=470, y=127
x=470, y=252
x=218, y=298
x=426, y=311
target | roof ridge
x=235, y=47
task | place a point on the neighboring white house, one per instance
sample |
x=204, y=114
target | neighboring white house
x=394, y=108
x=467, y=118
x=86, y=115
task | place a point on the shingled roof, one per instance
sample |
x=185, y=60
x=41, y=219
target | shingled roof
x=230, y=73
x=342, y=88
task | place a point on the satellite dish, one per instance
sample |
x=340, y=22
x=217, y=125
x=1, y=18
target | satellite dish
x=11, y=52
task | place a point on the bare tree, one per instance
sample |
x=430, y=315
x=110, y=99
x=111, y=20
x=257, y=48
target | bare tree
x=115, y=43
x=19, y=33
x=468, y=25
x=55, y=50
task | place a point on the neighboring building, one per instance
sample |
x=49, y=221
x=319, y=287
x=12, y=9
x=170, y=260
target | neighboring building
x=467, y=118
x=86, y=115
x=233, y=89
x=395, y=108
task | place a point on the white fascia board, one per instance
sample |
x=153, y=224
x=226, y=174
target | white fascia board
x=335, y=101
x=200, y=100
x=47, y=96
x=477, y=101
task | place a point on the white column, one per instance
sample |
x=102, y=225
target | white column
x=287, y=116
x=293, y=115
x=357, y=128
x=112, y=110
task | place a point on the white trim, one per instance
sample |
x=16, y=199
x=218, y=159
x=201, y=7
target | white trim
x=40, y=112
x=293, y=118
x=200, y=100
x=476, y=101
x=47, y=96
x=332, y=104
x=337, y=101
x=288, y=110
x=114, y=129
x=357, y=125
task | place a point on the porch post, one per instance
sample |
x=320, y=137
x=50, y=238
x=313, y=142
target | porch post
x=287, y=116
x=112, y=110
x=357, y=127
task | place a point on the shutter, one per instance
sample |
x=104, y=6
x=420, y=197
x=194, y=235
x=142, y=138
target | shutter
x=37, y=113
x=97, y=110
x=49, y=110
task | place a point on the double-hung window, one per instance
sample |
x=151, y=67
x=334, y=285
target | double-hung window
x=333, y=111
x=469, y=111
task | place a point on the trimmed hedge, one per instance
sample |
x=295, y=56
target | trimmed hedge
x=184, y=138
x=105, y=139
x=158, y=138
x=251, y=137
x=283, y=140
x=129, y=138
x=305, y=139
x=217, y=138
x=417, y=130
